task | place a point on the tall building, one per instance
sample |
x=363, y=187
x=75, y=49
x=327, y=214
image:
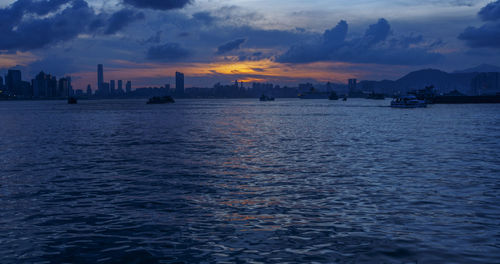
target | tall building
x=352, y=85
x=486, y=83
x=1, y=82
x=120, y=85
x=128, y=87
x=100, y=78
x=105, y=89
x=71, y=92
x=46, y=86
x=63, y=87
x=179, y=83
x=112, y=87
x=89, y=90
x=13, y=81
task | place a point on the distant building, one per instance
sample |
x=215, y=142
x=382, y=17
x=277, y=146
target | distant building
x=89, y=90
x=112, y=87
x=352, y=85
x=45, y=86
x=105, y=89
x=305, y=87
x=100, y=78
x=486, y=83
x=70, y=87
x=1, y=82
x=64, y=87
x=120, y=85
x=79, y=93
x=179, y=83
x=13, y=81
x=128, y=87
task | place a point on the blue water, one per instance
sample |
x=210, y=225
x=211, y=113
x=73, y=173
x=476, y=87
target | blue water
x=242, y=181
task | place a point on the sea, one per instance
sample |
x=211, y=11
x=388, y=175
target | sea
x=243, y=181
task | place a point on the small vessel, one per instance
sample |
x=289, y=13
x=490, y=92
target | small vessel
x=333, y=96
x=72, y=100
x=314, y=94
x=265, y=98
x=409, y=101
x=161, y=100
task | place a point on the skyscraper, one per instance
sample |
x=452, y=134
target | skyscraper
x=120, y=85
x=63, y=89
x=112, y=86
x=13, y=80
x=89, y=90
x=352, y=85
x=128, y=86
x=179, y=83
x=100, y=78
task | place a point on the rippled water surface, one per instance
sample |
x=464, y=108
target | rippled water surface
x=291, y=181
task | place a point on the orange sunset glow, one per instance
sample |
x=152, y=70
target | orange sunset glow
x=246, y=71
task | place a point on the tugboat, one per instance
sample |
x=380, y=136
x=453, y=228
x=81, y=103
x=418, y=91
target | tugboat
x=409, y=101
x=161, y=100
x=265, y=98
x=72, y=100
x=333, y=96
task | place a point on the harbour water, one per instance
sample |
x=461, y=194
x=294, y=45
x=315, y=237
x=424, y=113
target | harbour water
x=243, y=181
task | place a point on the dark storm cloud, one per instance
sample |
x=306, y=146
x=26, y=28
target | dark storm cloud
x=32, y=32
x=231, y=45
x=29, y=24
x=375, y=46
x=168, y=52
x=490, y=12
x=488, y=35
x=158, y=4
x=121, y=19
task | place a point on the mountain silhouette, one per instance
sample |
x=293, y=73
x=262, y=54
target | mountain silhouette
x=442, y=81
x=481, y=68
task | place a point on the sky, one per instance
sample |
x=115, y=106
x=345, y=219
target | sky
x=285, y=42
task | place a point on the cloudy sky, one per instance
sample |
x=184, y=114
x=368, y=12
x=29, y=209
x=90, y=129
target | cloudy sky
x=280, y=41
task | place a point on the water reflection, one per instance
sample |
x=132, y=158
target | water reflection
x=236, y=180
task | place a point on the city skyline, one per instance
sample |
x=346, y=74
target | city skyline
x=317, y=41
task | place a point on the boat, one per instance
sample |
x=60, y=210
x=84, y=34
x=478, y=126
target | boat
x=161, y=100
x=313, y=94
x=72, y=100
x=409, y=101
x=333, y=96
x=265, y=98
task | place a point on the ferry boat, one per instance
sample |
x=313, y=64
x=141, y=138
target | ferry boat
x=265, y=98
x=313, y=94
x=72, y=100
x=333, y=96
x=161, y=100
x=409, y=101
